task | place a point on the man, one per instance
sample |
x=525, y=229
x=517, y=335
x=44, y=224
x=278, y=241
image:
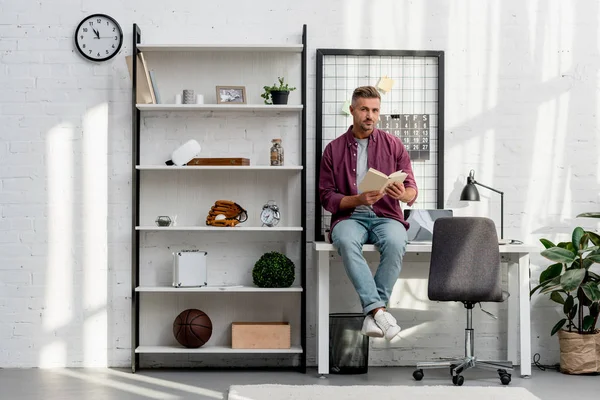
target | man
x=371, y=217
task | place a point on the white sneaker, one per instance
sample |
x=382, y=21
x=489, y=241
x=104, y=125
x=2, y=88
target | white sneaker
x=387, y=323
x=370, y=328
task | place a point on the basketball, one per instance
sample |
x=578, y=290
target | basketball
x=192, y=328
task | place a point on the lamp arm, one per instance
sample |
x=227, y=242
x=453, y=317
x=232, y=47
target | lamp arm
x=487, y=187
x=501, y=206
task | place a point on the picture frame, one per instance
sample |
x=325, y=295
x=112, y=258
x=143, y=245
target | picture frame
x=231, y=95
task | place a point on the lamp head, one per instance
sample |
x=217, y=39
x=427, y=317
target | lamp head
x=470, y=192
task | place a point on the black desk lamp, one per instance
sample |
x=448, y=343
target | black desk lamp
x=470, y=193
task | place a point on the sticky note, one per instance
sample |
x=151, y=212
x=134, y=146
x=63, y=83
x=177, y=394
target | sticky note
x=346, y=107
x=385, y=84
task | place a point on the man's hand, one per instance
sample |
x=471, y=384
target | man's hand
x=370, y=198
x=396, y=191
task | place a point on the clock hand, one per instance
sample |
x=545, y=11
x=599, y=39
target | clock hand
x=97, y=33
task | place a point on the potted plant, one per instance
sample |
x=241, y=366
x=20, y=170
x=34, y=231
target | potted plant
x=570, y=282
x=278, y=93
x=273, y=270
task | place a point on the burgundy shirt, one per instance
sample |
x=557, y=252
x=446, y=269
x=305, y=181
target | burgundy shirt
x=338, y=178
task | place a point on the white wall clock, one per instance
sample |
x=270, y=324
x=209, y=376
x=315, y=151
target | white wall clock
x=98, y=37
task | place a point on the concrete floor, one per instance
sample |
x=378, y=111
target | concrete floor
x=121, y=384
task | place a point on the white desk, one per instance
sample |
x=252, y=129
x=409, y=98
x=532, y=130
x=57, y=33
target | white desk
x=517, y=257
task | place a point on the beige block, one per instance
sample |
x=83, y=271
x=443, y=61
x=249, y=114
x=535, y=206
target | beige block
x=260, y=335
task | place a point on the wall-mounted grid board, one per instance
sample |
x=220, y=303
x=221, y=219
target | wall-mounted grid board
x=413, y=109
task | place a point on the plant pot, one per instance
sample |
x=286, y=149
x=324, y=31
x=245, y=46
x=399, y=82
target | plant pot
x=579, y=354
x=280, y=96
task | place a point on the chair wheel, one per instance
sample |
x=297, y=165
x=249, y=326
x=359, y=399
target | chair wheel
x=418, y=375
x=505, y=379
x=458, y=380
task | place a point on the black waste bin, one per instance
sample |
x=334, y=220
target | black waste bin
x=348, y=348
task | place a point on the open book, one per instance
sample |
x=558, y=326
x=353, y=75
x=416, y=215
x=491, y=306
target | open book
x=376, y=180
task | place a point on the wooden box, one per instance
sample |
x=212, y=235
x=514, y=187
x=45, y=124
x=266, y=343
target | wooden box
x=260, y=335
x=219, y=161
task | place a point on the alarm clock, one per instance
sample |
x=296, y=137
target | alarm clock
x=98, y=37
x=269, y=215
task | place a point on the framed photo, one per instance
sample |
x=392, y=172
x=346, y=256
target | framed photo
x=231, y=95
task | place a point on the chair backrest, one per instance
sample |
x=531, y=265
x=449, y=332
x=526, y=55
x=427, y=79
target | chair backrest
x=465, y=261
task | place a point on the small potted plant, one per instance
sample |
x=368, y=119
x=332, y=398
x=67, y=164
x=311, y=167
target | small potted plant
x=277, y=93
x=570, y=282
x=273, y=270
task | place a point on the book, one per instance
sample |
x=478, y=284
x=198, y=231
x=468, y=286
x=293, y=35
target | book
x=376, y=180
x=144, y=92
x=155, y=87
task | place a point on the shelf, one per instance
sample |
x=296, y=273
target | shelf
x=212, y=349
x=277, y=48
x=220, y=229
x=218, y=167
x=220, y=107
x=214, y=289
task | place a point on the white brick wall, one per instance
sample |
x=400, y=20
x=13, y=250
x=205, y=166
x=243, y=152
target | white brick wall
x=521, y=106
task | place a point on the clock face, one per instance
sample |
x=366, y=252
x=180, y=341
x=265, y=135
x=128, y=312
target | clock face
x=270, y=215
x=98, y=37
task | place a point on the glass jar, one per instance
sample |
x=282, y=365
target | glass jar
x=276, y=153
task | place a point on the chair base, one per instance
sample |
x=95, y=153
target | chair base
x=459, y=365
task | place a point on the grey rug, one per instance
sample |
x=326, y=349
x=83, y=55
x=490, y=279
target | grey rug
x=318, y=392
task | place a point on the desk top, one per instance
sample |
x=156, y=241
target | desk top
x=426, y=248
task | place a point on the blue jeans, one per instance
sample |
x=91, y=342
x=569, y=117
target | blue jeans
x=389, y=236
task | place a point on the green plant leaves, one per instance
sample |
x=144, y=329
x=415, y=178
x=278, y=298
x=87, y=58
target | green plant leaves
x=594, y=257
x=557, y=327
x=547, y=244
x=588, y=323
x=557, y=254
x=595, y=238
x=578, y=233
x=589, y=215
x=568, y=305
x=551, y=272
x=552, y=286
x=556, y=296
x=595, y=310
x=571, y=279
x=273, y=270
x=591, y=291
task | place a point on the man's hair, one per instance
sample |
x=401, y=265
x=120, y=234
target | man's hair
x=366, y=92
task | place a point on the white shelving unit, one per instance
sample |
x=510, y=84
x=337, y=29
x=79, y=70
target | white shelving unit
x=188, y=192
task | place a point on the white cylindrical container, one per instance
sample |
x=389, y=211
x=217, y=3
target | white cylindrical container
x=177, y=99
x=199, y=99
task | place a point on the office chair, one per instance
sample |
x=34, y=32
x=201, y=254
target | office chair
x=465, y=267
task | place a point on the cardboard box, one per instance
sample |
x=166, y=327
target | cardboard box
x=261, y=335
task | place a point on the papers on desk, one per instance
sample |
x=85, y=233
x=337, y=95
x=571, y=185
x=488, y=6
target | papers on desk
x=509, y=241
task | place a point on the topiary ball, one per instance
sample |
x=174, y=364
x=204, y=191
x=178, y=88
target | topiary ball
x=273, y=270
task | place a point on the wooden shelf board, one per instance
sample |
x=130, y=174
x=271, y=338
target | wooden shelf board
x=212, y=349
x=276, y=48
x=214, y=289
x=218, y=167
x=221, y=229
x=220, y=107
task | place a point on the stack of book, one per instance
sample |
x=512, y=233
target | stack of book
x=146, y=91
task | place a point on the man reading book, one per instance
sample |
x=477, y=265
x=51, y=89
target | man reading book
x=375, y=216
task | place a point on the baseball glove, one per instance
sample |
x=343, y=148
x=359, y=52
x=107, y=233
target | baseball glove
x=226, y=213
